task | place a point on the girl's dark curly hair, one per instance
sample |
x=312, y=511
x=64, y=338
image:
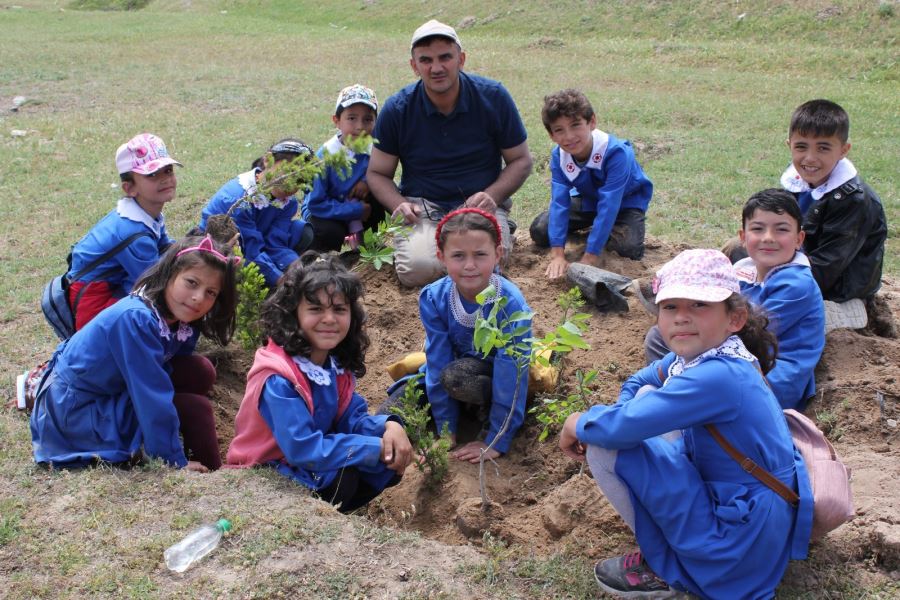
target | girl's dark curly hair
x=303, y=279
x=218, y=323
x=755, y=334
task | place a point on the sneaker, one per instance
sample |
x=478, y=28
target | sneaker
x=845, y=315
x=630, y=576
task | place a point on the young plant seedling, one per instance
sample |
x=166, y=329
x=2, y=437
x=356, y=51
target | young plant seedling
x=553, y=411
x=433, y=451
x=377, y=247
x=252, y=292
x=499, y=332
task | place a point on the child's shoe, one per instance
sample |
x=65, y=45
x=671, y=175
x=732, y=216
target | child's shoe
x=630, y=576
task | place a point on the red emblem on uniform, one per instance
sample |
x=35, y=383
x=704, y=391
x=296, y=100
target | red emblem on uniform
x=570, y=167
x=597, y=157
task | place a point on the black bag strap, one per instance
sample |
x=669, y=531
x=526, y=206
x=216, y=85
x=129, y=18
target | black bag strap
x=109, y=254
x=100, y=260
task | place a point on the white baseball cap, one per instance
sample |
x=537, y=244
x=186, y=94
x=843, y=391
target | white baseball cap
x=434, y=28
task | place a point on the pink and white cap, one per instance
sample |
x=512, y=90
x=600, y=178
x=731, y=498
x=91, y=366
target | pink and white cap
x=701, y=274
x=143, y=154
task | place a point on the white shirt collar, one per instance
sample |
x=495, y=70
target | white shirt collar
x=571, y=169
x=842, y=172
x=745, y=269
x=315, y=373
x=128, y=208
x=335, y=145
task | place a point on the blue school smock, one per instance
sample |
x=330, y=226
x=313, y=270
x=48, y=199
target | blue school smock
x=611, y=180
x=109, y=391
x=316, y=447
x=127, y=219
x=791, y=297
x=330, y=194
x=704, y=524
x=269, y=232
x=446, y=340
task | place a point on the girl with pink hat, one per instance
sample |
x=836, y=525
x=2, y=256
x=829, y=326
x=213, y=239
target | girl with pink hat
x=703, y=523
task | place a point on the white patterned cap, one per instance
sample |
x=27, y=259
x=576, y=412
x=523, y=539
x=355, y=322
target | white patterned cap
x=356, y=94
x=701, y=274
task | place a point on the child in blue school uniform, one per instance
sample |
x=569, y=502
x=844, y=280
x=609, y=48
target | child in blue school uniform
x=148, y=179
x=300, y=412
x=469, y=246
x=340, y=206
x=703, y=524
x=270, y=235
x=596, y=184
x=776, y=276
x=126, y=384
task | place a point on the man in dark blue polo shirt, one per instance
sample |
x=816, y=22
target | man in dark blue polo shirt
x=460, y=141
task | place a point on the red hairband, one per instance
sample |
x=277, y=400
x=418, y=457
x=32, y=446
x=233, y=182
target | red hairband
x=459, y=211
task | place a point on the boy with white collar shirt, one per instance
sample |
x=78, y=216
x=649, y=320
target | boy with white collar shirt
x=340, y=207
x=843, y=219
x=776, y=276
x=596, y=184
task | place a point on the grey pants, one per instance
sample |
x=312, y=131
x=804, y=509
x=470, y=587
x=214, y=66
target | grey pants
x=415, y=256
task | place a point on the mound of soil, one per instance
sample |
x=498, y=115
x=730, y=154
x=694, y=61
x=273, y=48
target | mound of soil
x=545, y=503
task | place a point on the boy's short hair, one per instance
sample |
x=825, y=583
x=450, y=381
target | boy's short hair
x=821, y=118
x=773, y=200
x=566, y=103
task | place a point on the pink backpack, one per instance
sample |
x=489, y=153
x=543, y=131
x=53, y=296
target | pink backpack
x=829, y=478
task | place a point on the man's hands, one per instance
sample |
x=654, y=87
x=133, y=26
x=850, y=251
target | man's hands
x=410, y=212
x=482, y=200
x=396, y=451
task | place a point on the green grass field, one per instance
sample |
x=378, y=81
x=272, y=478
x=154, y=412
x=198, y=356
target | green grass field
x=705, y=89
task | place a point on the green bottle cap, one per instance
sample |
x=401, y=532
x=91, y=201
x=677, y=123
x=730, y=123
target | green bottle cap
x=223, y=525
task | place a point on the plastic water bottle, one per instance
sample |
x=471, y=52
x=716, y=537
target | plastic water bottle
x=195, y=546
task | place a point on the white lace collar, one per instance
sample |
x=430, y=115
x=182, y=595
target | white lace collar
x=571, y=169
x=128, y=208
x=315, y=373
x=733, y=347
x=842, y=172
x=260, y=201
x=467, y=319
x=184, y=332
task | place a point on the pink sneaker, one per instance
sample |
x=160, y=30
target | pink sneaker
x=630, y=576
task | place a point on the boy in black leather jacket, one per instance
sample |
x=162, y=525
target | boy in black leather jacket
x=842, y=216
